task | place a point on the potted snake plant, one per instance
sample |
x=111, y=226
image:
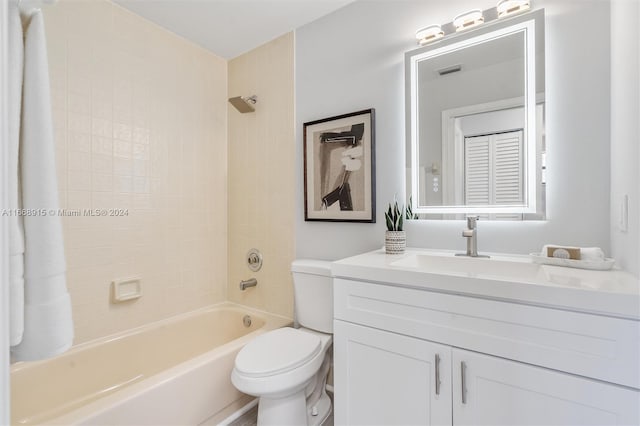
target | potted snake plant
x=395, y=239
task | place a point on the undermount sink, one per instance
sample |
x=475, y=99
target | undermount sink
x=449, y=264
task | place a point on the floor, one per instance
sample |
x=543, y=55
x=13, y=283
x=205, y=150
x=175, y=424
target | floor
x=247, y=419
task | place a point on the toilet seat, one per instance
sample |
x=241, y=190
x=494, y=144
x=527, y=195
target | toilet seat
x=277, y=352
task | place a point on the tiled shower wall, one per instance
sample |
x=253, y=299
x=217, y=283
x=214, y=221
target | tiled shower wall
x=140, y=117
x=261, y=176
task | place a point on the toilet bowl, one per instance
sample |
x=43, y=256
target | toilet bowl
x=287, y=368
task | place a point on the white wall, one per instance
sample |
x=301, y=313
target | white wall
x=353, y=59
x=625, y=129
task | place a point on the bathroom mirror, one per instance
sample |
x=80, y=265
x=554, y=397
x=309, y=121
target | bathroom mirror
x=475, y=123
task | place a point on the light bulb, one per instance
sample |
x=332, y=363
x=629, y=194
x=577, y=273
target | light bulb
x=510, y=7
x=468, y=19
x=429, y=34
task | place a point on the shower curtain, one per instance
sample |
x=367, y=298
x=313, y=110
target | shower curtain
x=40, y=306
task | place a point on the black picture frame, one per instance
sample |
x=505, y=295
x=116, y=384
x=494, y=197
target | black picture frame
x=339, y=168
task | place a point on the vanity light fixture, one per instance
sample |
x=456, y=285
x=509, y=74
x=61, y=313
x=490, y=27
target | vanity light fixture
x=468, y=20
x=471, y=19
x=510, y=7
x=429, y=34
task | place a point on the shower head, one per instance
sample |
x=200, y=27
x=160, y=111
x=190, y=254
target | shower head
x=243, y=104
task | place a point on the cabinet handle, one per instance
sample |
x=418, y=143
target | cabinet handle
x=463, y=372
x=437, y=362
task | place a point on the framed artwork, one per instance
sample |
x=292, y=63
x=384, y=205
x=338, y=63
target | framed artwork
x=339, y=168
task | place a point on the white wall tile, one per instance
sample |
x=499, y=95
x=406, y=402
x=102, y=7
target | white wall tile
x=260, y=176
x=124, y=102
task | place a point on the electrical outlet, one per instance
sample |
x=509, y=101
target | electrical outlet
x=623, y=224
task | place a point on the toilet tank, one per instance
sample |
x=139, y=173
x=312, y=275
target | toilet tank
x=313, y=294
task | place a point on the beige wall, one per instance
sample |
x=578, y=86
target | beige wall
x=261, y=175
x=140, y=117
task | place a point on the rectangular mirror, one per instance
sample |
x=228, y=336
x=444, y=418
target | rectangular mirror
x=475, y=123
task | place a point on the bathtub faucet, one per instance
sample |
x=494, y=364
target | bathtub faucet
x=252, y=282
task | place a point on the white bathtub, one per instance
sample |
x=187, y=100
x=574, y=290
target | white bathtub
x=173, y=372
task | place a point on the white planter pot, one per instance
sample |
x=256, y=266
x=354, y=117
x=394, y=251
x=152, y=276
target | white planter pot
x=395, y=242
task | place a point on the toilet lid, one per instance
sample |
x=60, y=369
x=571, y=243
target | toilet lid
x=276, y=352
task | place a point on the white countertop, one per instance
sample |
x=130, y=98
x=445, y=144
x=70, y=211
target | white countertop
x=502, y=277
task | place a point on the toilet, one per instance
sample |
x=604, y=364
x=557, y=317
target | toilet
x=287, y=368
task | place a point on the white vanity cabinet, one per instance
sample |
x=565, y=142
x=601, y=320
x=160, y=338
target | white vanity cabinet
x=386, y=378
x=500, y=362
x=502, y=392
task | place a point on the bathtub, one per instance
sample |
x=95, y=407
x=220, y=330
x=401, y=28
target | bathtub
x=173, y=372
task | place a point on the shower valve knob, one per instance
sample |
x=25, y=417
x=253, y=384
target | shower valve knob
x=254, y=260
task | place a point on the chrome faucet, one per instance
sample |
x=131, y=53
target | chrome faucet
x=471, y=234
x=251, y=282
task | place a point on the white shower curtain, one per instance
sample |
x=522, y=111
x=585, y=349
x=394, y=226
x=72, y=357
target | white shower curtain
x=48, y=325
x=16, y=236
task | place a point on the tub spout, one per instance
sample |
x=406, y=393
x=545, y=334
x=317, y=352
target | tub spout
x=248, y=283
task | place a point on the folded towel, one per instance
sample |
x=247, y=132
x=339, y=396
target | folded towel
x=16, y=236
x=588, y=254
x=48, y=327
x=591, y=254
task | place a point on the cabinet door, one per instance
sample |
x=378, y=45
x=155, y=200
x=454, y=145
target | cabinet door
x=383, y=378
x=494, y=391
